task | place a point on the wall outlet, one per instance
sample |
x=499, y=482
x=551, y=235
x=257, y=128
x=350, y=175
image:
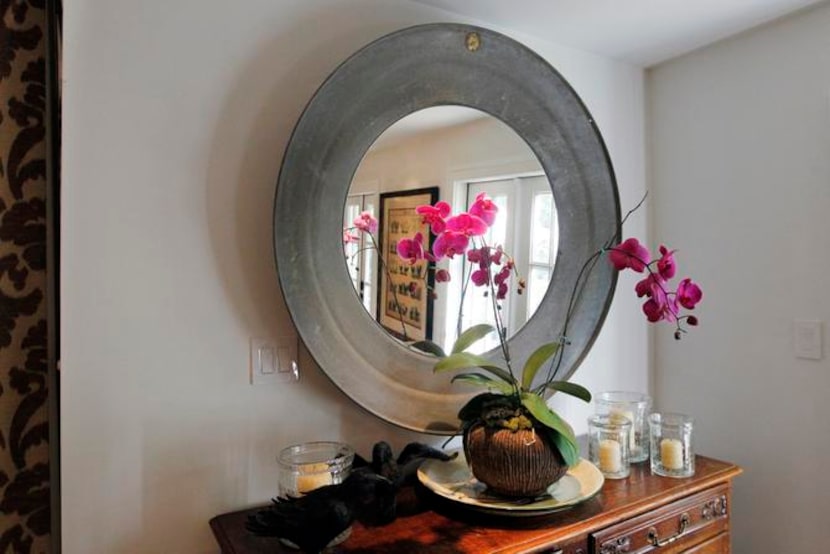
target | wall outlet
x=807, y=339
x=274, y=360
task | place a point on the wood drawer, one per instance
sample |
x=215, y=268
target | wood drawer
x=719, y=544
x=674, y=528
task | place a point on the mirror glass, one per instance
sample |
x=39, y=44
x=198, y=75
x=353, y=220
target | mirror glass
x=394, y=76
x=452, y=154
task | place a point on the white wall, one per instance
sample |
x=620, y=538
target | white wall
x=740, y=162
x=175, y=121
x=480, y=148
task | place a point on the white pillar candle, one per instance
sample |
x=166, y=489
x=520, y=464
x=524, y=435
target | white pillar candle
x=671, y=454
x=313, y=476
x=610, y=456
x=619, y=415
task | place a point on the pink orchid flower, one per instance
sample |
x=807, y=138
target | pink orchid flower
x=484, y=208
x=661, y=303
x=630, y=254
x=660, y=306
x=480, y=277
x=480, y=256
x=411, y=249
x=450, y=243
x=366, y=222
x=434, y=216
x=666, y=265
x=469, y=225
x=497, y=255
x=688, y=294
x=442, y=276
x=655, y=311
x=502, y=276
x=645, y=286
x=501, y=280
x=348, y=237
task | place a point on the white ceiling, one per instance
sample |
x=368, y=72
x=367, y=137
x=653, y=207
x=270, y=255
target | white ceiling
x=642, y=32
x=422, y=121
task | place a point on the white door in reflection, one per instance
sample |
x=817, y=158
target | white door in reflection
x=526, y=228
x=360, y=255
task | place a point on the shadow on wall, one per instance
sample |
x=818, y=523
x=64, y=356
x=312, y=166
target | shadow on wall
x=248, y=144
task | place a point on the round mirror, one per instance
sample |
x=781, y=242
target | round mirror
x=395, y=76
x=450, y=154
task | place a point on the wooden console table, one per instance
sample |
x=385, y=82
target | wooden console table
x=644, y=513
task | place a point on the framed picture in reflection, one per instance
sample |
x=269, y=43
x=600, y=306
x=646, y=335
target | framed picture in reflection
x=404, y=305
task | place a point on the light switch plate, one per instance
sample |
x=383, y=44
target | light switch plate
x=274, y=360
x=807, y=339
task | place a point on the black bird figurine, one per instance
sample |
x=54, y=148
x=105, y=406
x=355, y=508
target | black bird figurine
x=368, y=494
x=401, y=472
x=312, y=521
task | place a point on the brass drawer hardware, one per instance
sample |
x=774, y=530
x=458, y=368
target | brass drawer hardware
x=657, y=542
x=714, y=508
x=621, y=545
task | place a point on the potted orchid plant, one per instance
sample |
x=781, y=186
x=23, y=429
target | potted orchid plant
x=514, y=442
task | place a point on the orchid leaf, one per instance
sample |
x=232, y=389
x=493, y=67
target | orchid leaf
x=484, y=381
x=570, y=388
x=465, y=360
x=567, y=443
x=535, y=361
x=429, y=347
x=540, y=410
x=568, y=449
x=471, y=336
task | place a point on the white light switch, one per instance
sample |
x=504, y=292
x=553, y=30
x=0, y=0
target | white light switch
x=274, y=360
x=284, y=359
x=267, y=360
x=807, y=339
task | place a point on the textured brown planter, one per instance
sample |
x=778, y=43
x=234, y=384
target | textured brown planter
x=513, y=463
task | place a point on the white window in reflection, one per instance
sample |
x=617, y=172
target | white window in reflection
x=526, y=227
x=360, y=255
x=544, y=237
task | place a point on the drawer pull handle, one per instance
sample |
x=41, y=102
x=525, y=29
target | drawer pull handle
x=657, y=542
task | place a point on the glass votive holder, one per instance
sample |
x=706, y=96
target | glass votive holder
x=311, y=465
x=635, y=407
x=672, y=452
x=608, y=445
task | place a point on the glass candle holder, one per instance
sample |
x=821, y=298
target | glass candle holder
x=311, y=465
x=672, y=452
x=635, y=407
x=608, y=445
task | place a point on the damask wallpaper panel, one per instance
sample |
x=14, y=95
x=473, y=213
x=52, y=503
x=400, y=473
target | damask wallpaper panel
x=24, y=431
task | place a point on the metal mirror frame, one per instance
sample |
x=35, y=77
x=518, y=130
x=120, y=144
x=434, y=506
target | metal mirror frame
x=400, y=73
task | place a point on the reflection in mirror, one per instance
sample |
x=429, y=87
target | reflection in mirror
x=452, y=154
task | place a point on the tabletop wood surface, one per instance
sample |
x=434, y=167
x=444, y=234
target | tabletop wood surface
x=430, y=523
